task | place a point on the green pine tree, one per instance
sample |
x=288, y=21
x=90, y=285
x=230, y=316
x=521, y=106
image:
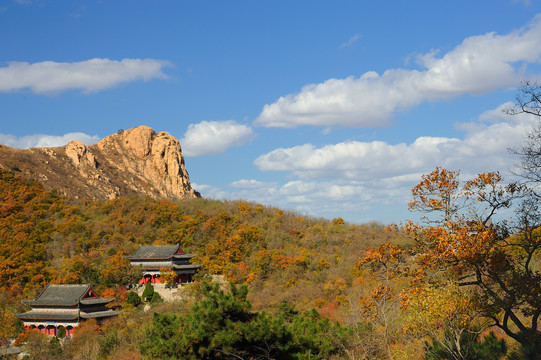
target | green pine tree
x=148, y=292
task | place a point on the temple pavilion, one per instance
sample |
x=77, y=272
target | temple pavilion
x=153, y=258
x=65, y=306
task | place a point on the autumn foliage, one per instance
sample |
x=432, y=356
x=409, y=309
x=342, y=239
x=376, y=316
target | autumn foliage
x=495, y=259
x=438, y=281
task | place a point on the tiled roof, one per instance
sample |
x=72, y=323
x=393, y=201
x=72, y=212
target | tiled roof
x=167, y=265
x=184, y=256
x=98, y=314
x=95, y=301
x=33, y=315
x=190, y=266
x=61, y=295
x=154, y=252
x=56, y=298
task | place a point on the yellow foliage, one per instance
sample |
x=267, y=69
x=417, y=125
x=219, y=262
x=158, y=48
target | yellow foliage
x=244, y=208
x=168, y=276
x=437, y=308
x=291, y=282
x=323, y=264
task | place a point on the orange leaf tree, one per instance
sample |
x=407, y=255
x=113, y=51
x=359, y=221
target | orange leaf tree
x=168, y=276
x=477, y=241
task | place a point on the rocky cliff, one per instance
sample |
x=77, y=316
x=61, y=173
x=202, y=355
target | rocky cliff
x=134, y=161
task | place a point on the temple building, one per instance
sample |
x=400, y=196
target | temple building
x=154, y=258
x=65, y=306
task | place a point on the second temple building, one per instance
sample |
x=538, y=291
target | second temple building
x=155, y=258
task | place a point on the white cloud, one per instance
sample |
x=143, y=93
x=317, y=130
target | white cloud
x=251, y=184
x=478, y=65
x=40, y=140
x=356, y=160
x=351, y=41
x=49, y=77
x=483, y=148
x=526, y=3
x=357, y=179
x=501, y=113
x=214, y=137
x=355, y=202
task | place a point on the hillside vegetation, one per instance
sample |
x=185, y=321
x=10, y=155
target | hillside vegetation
x=283, y=257
x=50, y=238
x=309, y=288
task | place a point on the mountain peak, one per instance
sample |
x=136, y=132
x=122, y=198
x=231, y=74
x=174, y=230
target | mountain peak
x=130, y=162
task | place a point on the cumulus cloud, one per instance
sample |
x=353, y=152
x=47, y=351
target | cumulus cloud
x=362, y=181
x=355, y=202
x=49, y=77
x=214, y=137
x=354, y=177
x=40, y=140
x=483, y=147
x=478, y=65
x=502, y=113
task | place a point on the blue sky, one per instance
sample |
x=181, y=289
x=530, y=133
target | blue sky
x=330, y=108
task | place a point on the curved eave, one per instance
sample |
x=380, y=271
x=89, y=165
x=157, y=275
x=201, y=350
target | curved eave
x=46, y=317
x=176, y=256
x=96, y=301
x=184, y=256
x=99, y=314
x=187, y=267
x=175, y=267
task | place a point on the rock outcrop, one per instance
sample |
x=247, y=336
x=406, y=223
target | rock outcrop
x=134, y=161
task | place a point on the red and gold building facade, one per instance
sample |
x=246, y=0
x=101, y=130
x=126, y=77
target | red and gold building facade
x=153, y=259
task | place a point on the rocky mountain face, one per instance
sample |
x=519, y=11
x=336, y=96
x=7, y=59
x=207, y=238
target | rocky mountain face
x=134, y=161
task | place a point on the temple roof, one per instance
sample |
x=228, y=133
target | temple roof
x=159, y=265
x=66, y=295
x=98, y=314
x=37, y=315
x=34, y=315
x=183, y=256
x=94, y=301
x=157, y=252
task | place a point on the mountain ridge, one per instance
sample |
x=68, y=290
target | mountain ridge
x=137, y=161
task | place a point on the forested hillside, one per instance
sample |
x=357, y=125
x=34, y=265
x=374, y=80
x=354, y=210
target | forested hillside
x=307, y=288
x=309, y=263
x=49, y=238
